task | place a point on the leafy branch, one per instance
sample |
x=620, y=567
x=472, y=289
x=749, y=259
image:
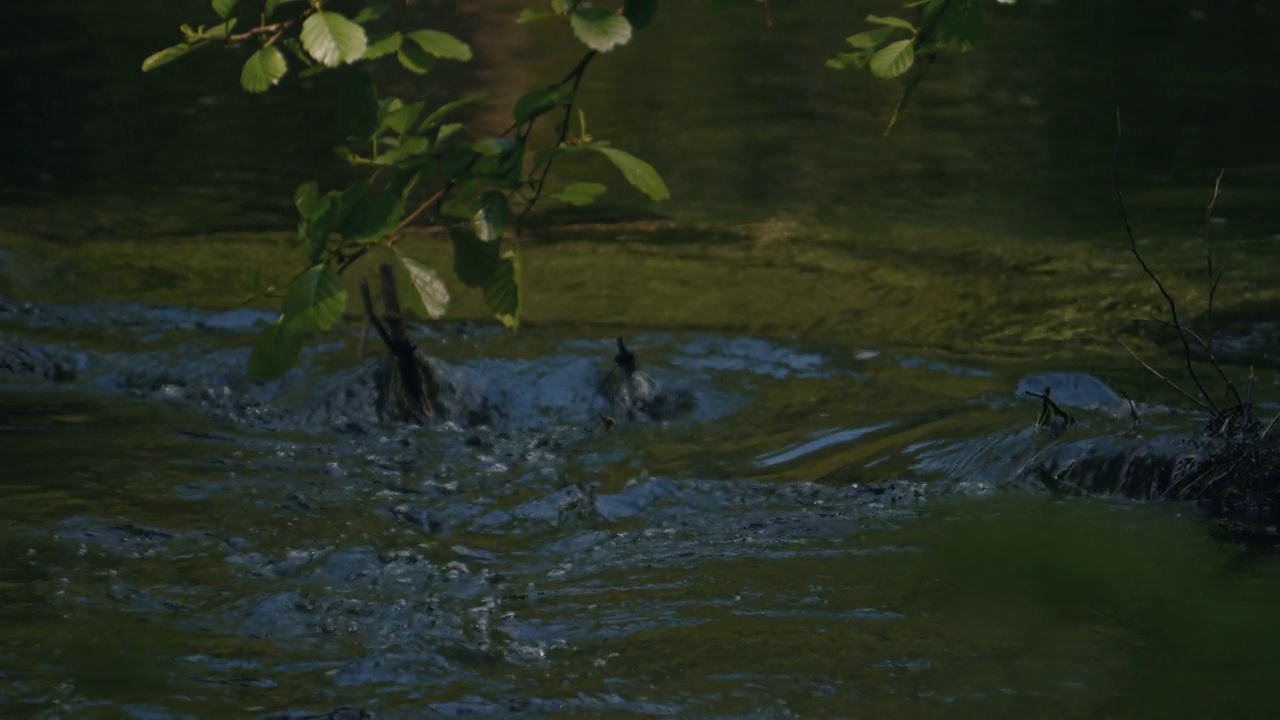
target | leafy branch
x=418, y=165
x=944, y=26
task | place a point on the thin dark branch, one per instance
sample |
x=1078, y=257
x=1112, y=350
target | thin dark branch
x=1156, y=372
x=574, y=77
x=371, y=315
x=1213, y=362
x=1048, y=408
x=918, y=78
x=1173, y=306
x=1208, y=256
x=274, y=29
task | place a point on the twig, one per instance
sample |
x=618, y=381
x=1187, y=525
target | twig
x=919, y=76
x=1213, y=362
x=1208, y=255
x=1155, y=372
x=371, y=315
x=276, y=28
x=1214, y=279
x=1048, y=408
x=574, y=76
x=1173, y=307
x=1133, y=408
x=1271, y=424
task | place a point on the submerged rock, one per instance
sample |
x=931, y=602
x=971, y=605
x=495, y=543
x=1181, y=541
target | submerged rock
x=20, y=358
x=634, y=395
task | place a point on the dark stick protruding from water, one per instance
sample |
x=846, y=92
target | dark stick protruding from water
x=625, y=359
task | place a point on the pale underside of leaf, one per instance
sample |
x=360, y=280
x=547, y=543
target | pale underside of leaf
x=893, y=59
x=599, y=29
x=432, y=292
x=332, y=39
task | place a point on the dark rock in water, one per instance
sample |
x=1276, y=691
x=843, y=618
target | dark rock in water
x=1074, y=390
x=20, y=358
x=637, y=395
x=1235, y=480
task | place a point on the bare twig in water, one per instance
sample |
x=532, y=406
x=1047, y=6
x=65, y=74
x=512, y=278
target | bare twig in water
x=416, y=381
x=1157, y=373
x=1213, y=279
x=1049, y=409
x=1269, y=426
x=1173, y=306
x=1133, y=408
x=624, y=363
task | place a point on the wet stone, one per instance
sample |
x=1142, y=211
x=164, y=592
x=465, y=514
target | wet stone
x=20, y=358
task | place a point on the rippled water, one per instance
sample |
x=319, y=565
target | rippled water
x=844, y=516
x=186, y=545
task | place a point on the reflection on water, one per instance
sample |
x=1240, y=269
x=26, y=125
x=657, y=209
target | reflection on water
x=745, y=122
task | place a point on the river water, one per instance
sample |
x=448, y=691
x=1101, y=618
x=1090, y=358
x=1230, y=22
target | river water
x=838, y=517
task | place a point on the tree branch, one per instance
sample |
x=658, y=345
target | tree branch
x=276, y=28
x=1173, y=307
x=574, y=76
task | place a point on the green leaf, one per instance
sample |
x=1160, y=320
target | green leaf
x=356, y=111
x=224, y=8
x=415, y=59
x=637, y=172
x=531, y=14
x=579, y=193
x=432, y=292
x=440, y=113
x=382, y=46
x=442, y=45
x=892, y=22
x=474, y=260
x=536, y=102
x=307, y=199
x=447, y=131
x=639, y=12
x=326, y=216
x=502, y=290
x=371, y=217
x=332, y=39
x=314, y=301
x=263, y=70
x=599, y=29
x=490, y=221
x=870, y=38
x=273, y=4
x=893, y=59
x=400, y=119
x=275, y=352
x=166, y=56
x=409, y=148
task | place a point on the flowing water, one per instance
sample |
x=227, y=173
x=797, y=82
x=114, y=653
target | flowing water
x=837, y=513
